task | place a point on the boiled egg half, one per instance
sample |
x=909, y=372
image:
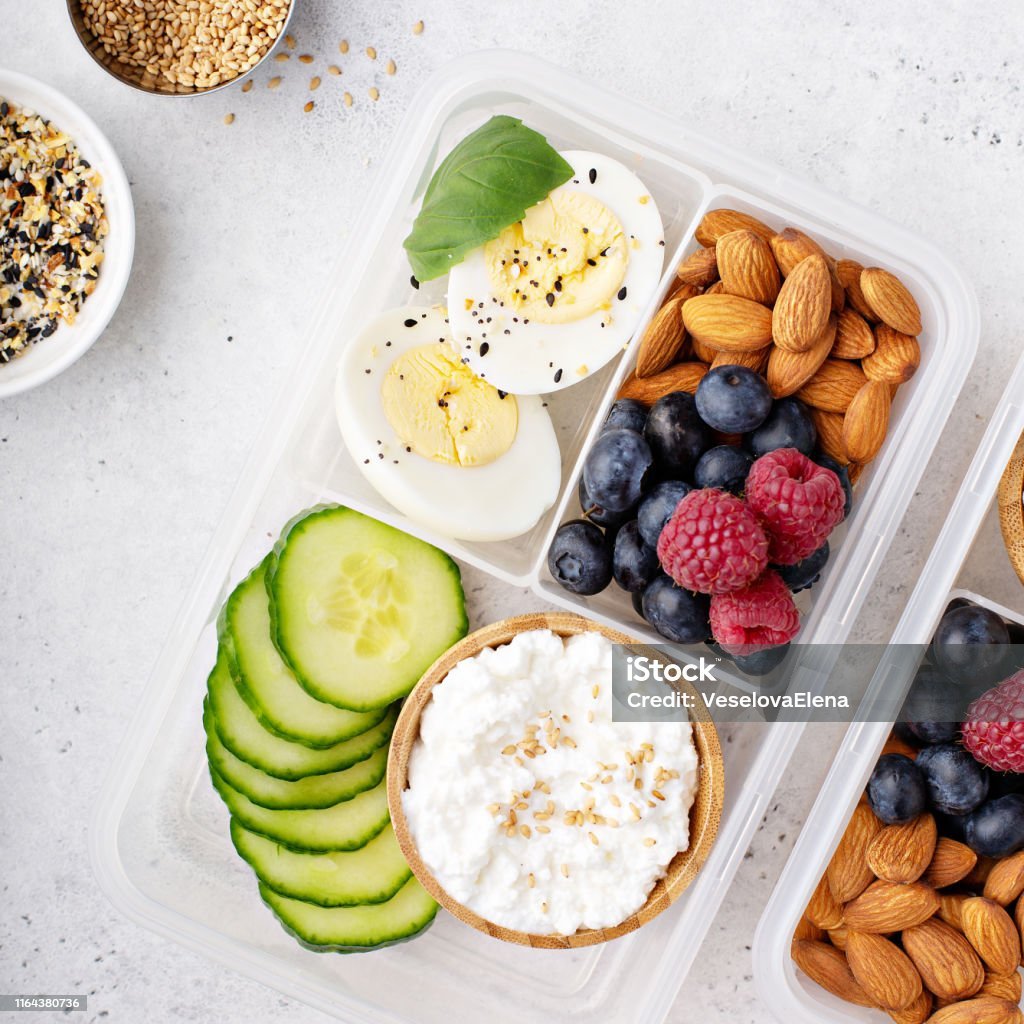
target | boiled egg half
x=441, y=444
x=557, y=295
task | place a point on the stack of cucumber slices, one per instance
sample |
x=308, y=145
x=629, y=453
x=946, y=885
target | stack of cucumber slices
x=317, y=647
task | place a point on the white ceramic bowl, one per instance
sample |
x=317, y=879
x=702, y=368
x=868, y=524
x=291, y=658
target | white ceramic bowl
x=49, y=356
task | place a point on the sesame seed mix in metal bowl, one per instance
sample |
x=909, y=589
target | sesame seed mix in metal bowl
x=52, y=226
x=183, y=45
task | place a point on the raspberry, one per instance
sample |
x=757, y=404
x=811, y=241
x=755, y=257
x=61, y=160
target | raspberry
x=712, y=543
x=761, y=615
x=797, y=501
x=993, y=730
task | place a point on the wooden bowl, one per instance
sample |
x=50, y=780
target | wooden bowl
x=1011, y=508
x=705, y=814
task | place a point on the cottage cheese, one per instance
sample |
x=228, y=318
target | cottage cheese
x=530, y=805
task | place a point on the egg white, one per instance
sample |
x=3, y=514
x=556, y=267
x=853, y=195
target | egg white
x=536, y=358
x=502, y=499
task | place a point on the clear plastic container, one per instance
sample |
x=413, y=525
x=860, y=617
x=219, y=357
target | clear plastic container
x=968, y=560
x=159, y=840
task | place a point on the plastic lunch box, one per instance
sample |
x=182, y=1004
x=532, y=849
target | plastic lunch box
x=159, y=841
x=968, y=560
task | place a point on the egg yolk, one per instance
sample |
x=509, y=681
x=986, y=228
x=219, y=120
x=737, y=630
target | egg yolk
x=443, y=411
x=563, y=261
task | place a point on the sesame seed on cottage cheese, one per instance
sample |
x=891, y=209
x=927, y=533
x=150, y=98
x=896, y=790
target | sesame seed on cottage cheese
x=530, y=805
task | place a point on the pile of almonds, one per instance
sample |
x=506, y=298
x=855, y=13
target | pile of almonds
x=917, y=925
x=838, y=336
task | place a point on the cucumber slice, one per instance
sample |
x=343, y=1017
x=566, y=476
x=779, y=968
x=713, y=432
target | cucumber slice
x=372, y=874
x=267, y=684
x=279, y=794
x=345, y=826
x=241, y=732
x=354, y=929
x=359, y=609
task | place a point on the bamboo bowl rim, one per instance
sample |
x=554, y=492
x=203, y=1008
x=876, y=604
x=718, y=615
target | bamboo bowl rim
x=705, y=812
x=1010, y=502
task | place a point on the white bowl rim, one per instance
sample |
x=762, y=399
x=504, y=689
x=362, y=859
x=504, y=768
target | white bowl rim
x=52, y=104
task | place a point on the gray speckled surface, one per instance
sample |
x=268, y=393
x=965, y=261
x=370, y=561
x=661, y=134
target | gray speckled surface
x=113, y=476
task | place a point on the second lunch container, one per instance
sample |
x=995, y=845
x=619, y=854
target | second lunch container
x=159, y=841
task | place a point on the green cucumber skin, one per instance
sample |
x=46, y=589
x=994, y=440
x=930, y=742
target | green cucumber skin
x=261, y=800
x=275, y=770
x=381, y=896
x=300, y=523
x=225, y=792
x=266, y=894
x=225, y=637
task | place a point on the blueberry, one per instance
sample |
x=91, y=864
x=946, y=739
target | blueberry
x=789, y=425
x=904, y=732
x=956, y=782
x=896, y=790
x=615, y=469
x=762, y=662
x=843, y=473
x=805, y=573
x=996, y=828
x=637, y=598
x=952, y=826
x=627, y=414
x=959, y=602
x=657, y=506
x=970, y=645
x=677, y=614
x=634, y=563
x=733, y=399
x=934, y=707
x=676, y=433
x=601, y=516
x=725, y=467
x=580, y=557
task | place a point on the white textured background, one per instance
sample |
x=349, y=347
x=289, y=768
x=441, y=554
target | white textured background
x=113, y=476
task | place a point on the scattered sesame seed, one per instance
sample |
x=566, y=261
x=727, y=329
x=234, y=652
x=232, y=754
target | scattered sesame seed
x=229, y=118
x=247, y=86
x=391, y=67
x=314, y=84
x=334, y=70
x=371, y=53
x=308, y=107
x=274, y=82
x=282, y=57
x=306, y=58
x=417, y=29
x=374, y=93
x=289, y=41
x=348, y=101
x=343, y=46
x=650, y=841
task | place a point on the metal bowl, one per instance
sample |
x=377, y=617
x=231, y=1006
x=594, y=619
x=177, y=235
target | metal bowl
x=138, y=78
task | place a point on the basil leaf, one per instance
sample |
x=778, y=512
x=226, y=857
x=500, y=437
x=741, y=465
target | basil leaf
x=487, y=182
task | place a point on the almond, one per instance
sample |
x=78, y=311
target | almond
x=681, y=377
x=728, y=323
x=951, y=862
x=848, y=272
x=854, y=337
x=887, y=907
x=916, y=1013
x=946, y=961
x=867, y=421
x=978, y=875
x=789, y=371
x=889, y=299
x=950, y=904
x=901, y=853
x=716, y=223
x=791, y=247
x=807, y=929
x=700, y=268
x=714, y=288
x=1004, y=986
x=834, y=386
x=679, y=287
x=829, y=426
x=663, y=337
x=826, y=966
x=983, y=1010
x=747, y=267
x=823, y=909
x=848, y=872
x=896, y=356
x=883, y=970
x=756, y=361
x=991, y=931
x=1018, y=918
x=1005, y=881
x=838, y=937
x=704, y=353
x=802, y=308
